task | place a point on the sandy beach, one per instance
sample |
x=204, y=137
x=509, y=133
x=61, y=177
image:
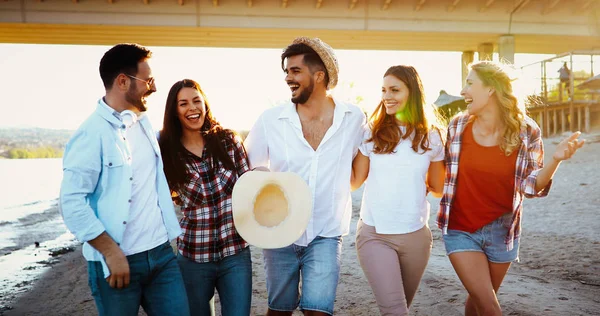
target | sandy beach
x=559, y=271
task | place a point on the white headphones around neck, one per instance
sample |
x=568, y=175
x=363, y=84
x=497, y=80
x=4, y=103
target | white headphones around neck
x=128, y=118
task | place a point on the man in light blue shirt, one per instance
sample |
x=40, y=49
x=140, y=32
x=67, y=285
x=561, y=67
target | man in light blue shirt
x=115, y=198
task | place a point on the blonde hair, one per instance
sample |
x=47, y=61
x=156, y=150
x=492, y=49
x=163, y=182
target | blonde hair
x=495, y=76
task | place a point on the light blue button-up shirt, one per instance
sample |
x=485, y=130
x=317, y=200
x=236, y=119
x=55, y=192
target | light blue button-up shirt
x=96, y=189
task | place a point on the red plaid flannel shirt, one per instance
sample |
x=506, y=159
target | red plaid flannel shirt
x=208, y=231
x=530, y=161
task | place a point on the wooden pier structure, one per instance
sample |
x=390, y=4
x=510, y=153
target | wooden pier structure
x=558, y=117
x=574, y=108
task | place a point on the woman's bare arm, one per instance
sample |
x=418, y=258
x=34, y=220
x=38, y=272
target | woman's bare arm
x=435, y=178
x=360, y=170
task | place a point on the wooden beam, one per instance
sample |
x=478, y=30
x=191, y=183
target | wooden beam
x=586, y=5
x=453, y=5
x=550, y=6
x=520, y=5
x=284, y=3
x=319, y=4
x=487, y=5
x=192, y=36
x=386, y=5
x=352, y=4
x=420, y=4
x=249, y=2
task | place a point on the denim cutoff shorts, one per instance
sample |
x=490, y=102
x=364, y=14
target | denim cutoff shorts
x=489, y=239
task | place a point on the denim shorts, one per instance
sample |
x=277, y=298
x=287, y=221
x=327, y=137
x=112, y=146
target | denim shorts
x=318, y=264
x=489, y=239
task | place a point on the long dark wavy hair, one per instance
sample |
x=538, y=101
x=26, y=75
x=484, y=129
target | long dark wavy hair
x=174, y=154
x=419, y=117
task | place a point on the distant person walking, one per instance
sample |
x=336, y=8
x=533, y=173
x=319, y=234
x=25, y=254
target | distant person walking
x=564, y=75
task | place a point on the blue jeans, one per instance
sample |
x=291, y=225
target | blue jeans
x=319, y=263
x=155, y=284
x=232, y=277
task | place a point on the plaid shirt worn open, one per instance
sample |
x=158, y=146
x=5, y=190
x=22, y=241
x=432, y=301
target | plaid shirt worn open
x=530, y=161
x=207, y=222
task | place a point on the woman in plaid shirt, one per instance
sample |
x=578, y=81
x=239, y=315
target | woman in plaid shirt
x=202, y=162
x=499, y=152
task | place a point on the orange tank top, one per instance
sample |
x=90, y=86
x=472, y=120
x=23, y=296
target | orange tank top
x=485, y=184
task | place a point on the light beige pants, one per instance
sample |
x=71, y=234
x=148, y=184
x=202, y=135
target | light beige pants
x=393, y=264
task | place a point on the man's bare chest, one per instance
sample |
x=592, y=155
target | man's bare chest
x=314, y=131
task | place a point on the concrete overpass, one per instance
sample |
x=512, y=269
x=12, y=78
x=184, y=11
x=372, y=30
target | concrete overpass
x=483, y=26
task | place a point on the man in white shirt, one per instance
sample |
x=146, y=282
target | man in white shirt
x=316, y=137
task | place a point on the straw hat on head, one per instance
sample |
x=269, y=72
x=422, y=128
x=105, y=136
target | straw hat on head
x=271, y=209
x=327, y=56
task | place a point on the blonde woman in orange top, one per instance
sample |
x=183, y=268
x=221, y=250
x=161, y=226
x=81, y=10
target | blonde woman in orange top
x=494, y=158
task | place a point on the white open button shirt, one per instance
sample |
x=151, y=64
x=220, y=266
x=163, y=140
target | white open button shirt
x=276, y=141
